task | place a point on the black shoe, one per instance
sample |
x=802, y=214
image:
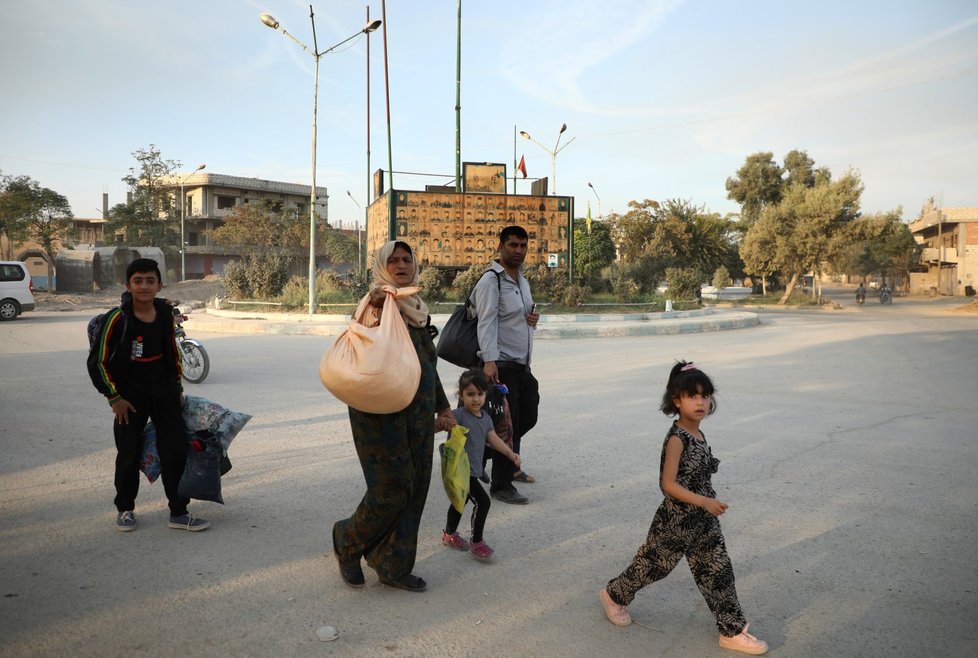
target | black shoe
x=511, y=496
x=409, y=583
x=352, y=574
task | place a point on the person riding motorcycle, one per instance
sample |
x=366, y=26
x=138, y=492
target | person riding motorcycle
x=861, y=293
x=886, y=295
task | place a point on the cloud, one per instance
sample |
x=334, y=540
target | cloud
x=554, y=47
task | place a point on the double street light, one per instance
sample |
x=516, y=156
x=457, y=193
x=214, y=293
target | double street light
x=183, y=219
x=271, y=22
x=553, y=153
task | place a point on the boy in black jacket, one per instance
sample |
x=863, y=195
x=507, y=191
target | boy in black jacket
x=135, y=363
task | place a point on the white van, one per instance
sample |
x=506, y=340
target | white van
x=16, y=289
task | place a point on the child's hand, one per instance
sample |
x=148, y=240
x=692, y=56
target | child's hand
x=714, y=506
x=516, y=460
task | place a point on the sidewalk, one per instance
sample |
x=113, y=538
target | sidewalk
x=550, y=327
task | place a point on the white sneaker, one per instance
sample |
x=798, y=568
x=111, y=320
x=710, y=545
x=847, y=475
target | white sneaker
x=616, y=614
x=744, y=643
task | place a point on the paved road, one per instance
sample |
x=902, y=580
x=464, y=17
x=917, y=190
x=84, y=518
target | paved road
x=847, y=442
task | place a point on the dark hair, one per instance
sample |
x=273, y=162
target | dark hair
x=143, y=265
x=474, y=376
x=518, y=231
x=403, y=245
x=686, y=378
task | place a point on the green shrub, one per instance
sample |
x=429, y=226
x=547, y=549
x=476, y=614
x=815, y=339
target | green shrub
x=236, y=280
x=576, y=295
x=295, y=293
x=721, y=278
x=683, y=282
x=623, y=286
x=430, y=282
x=464, y=281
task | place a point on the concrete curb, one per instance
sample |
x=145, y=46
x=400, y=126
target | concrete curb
x=583, y=325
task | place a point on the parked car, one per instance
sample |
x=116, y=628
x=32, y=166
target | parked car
x=16, y=289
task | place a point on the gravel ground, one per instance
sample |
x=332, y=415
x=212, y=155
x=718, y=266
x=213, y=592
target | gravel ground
x=187, y=292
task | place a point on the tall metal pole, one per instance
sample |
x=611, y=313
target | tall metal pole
x=312, y=192
x=458, y=105
x=391, y=230
x=183, y=233
x=514, y=159
x=366, y=208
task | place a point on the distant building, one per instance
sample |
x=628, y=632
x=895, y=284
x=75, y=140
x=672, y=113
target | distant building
x=948, y=241
x=209, y=198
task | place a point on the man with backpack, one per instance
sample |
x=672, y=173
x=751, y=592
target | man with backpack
x=135, y=363
x=507, y=319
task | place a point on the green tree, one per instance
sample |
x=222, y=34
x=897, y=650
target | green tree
x=633, y=230
x=38, y=213
x=800, y=169
x=256, y=228
x=593, y=251
x=756, y=185
x=758, y=249
x=14, y=212
x=806, y=226
x=878, y=243
x=150, y=217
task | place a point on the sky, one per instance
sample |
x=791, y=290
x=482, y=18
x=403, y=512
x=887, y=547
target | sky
x=663, y=99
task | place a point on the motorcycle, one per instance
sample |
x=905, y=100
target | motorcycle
x=886, y=297
x=196, y=363
x=860, y=298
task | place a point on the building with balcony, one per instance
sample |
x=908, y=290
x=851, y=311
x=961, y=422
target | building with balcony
x=948, y=241
x=209, y=198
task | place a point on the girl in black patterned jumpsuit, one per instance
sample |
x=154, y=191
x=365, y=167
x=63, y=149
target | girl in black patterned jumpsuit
x=686, y=523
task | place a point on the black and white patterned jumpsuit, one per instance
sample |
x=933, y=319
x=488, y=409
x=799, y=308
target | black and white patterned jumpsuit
x=680, y=529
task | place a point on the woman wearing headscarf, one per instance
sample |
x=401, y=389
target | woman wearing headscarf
x=395, y=450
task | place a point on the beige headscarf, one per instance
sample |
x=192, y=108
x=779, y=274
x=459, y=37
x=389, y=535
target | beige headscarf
x=412, y=308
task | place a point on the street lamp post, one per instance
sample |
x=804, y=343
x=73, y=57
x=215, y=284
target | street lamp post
x=359, y=243
x=596, y=197
x=270, y=21
x=183, y=218
x=553, y=153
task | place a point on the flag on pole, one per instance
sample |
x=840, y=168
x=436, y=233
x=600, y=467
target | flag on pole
x=589, y=218
x=521, y=167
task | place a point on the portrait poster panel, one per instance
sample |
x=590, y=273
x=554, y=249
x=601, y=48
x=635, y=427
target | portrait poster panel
x=487, y=177
x=462, y=230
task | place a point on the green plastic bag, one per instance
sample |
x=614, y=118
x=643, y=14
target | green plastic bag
x=455, y=468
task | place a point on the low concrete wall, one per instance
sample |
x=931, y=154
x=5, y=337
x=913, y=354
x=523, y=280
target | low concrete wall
x=729, y=293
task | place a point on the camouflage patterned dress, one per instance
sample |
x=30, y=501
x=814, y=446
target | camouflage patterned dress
x=680, y=529
x=395, y=452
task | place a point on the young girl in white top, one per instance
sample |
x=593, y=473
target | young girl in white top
x=472, y=388
x=686, y=523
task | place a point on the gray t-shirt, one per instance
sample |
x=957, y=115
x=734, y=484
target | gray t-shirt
x=475, y=441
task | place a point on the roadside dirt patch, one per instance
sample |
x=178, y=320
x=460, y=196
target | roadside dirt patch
x=971, y=307
x=193, y=290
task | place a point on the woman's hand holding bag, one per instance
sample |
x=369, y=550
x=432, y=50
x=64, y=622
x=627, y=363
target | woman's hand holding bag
x=374, y=369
